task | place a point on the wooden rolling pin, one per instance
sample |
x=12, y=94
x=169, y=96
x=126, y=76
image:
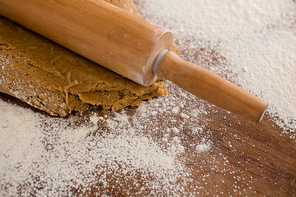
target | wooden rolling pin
x=129, y=45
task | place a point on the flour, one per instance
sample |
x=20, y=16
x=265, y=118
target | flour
x=256, y=40
x=203, y=146
x=215, y=20
x=269, y=61
x=45, y=156
x=65, y=156
x=95, y=118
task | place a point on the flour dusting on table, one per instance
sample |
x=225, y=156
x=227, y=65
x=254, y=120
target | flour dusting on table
x=46, y=156
x=41, y=155
x=254, y=44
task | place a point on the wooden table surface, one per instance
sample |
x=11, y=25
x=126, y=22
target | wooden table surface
x=243, y=159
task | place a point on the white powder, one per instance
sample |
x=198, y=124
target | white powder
x=176, y=110
x=49, y=153
x=48, y=156
x=257, y=40
x=270, y=59
x=204, y=146
x=216, y=20
x=145, y=149
x=95, y=118
x=175, y=130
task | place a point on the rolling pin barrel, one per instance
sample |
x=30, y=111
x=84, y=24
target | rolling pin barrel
x=108, y=35
x=128, y=45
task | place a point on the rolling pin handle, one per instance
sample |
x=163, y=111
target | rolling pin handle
x=209, y=86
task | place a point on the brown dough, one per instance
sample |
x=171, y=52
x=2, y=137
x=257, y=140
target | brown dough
x=58, y=81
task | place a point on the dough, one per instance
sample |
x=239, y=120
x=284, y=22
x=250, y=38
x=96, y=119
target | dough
x=58, y=81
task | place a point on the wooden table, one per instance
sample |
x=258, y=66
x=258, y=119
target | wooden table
x=242, y=159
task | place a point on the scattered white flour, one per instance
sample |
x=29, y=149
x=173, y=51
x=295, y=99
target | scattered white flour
x=39, y=152
x=140, y=150
x=270, y=59
x=203, y=146
x=214, y=20
x=47, y=156
x=176, y=109
x=257, y=40
x=95, y=118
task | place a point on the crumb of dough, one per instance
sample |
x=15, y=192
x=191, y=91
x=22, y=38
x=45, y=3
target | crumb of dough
x=58, y=81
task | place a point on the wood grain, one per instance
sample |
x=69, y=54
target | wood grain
x=211, y=87
x=245, y=159
x=104, y=33
x=127, y=44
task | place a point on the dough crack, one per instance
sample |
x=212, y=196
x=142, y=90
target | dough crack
x=66, y=88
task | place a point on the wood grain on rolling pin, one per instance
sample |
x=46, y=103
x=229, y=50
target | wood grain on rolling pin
x=130, y=45
x=58, y=81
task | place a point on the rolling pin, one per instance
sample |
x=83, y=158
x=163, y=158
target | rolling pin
x=128, y=45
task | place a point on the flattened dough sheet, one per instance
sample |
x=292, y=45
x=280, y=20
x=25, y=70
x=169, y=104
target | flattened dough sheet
x=58, y=81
